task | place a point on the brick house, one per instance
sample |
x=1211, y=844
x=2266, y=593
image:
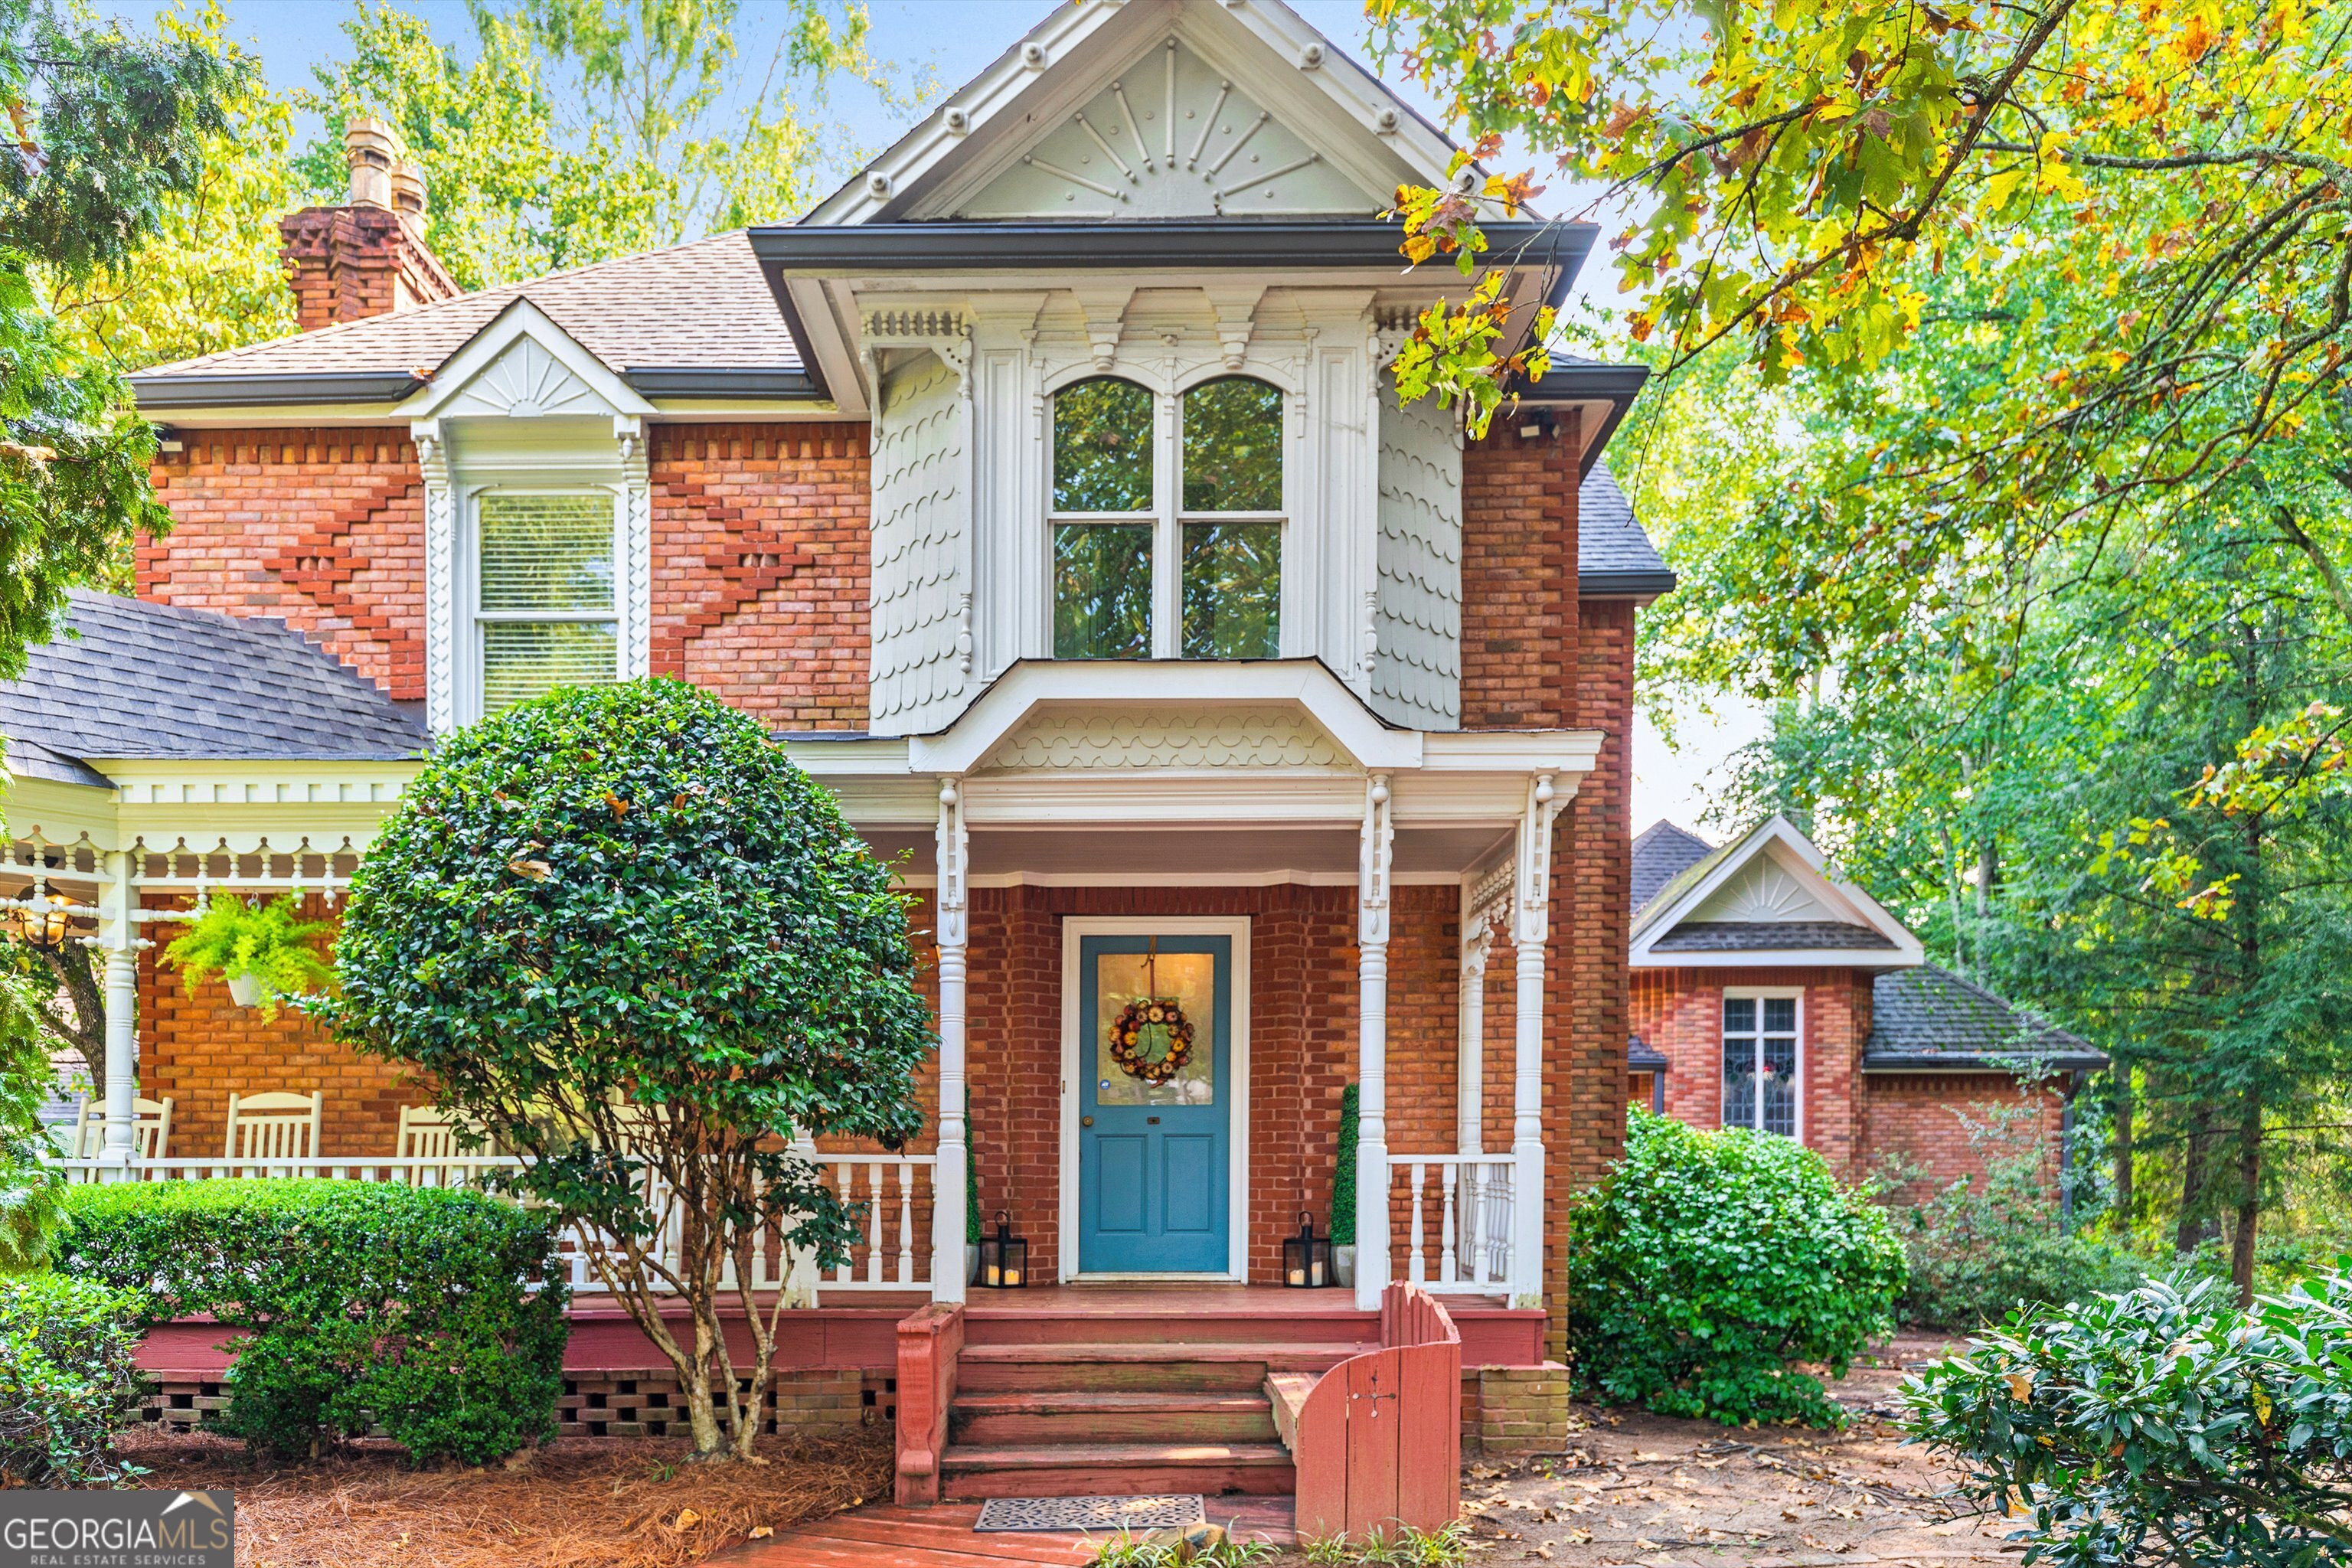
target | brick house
x=1766, y=993
x=1042, y=489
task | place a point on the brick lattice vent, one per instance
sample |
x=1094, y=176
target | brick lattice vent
x=645, y=1403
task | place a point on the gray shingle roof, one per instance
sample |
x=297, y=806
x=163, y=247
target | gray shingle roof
x=1929, y=1018
x=156, y=680
x=1642, y=1057
x=1660, y=853
x=1612, y=555
x=703, y=305
x=1768, y=936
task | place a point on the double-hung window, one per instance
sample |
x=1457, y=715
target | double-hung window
x=1760, y=1063
x=544, y=610
x=1148, y=570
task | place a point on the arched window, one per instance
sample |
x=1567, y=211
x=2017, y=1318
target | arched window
x=1105, y=509
x=1233, y=520
x=1190, y=569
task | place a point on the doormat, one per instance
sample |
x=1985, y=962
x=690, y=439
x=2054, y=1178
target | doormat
x=1167, y=1511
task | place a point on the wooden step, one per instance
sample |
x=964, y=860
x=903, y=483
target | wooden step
x=1165, y=1325
x=1188, y=1368
x=996, y=1420
x=1115, y=1469
x=1285, y=1393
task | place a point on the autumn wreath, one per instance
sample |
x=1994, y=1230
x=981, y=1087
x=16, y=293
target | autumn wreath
x=1151, y=1038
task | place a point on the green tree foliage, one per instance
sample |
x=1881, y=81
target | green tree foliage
x=1708, y=1262
x=109, y=128
x=633, y=943
x=2163, y=1425
x=68, y=1381
x=435, y=1314
x=29, y=1193
x=582, y=130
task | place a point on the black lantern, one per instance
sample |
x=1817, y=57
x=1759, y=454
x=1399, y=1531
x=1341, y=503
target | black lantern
x=1307, y=1256
x=1005, y=1257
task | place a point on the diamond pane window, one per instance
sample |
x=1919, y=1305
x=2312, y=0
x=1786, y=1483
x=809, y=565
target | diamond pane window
x=544, y=595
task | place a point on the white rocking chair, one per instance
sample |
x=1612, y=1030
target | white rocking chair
x=277, y=1126
x=150, y=1128
x=428, y=1133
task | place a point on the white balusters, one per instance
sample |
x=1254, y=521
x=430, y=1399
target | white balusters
x=1475, y=1219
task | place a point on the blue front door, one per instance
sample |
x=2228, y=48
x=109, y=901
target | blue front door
x=1155, y=1106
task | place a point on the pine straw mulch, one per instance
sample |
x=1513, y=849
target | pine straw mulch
x=580, y=1502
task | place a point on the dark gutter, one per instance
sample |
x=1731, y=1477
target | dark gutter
x=1975, y=1061
x=1625, y=585
x=1176, y=243
x=697, y=381
x=155, y=391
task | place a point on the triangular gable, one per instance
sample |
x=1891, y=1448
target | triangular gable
x=1263, y=116
x=1767, y=880
x=521, y=366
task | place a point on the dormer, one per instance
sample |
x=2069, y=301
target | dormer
x=1120, y=312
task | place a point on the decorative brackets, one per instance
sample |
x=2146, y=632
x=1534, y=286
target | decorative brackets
x=1373, y=866
x=1531, y=878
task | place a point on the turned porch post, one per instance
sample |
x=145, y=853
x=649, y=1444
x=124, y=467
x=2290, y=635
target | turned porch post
x=954, y=929
x=1372, y=1047
x=1530, y=929
x=117, y=938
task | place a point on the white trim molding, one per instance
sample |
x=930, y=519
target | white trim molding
x=1777, y=842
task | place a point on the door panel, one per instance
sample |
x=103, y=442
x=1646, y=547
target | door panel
x=1155, y=1130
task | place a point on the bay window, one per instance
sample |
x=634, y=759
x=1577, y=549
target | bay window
x=544, y=611
x=1759, y=1062
x=1144, y=568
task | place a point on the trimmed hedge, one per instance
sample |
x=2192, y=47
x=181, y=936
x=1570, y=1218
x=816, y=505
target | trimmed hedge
x=68, y=1380
x=1707, y=1263
x=437, y=1315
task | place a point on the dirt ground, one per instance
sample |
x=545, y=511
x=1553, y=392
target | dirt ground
x=1641, y=1489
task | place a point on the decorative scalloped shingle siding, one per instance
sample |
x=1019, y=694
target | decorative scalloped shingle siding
x=1417, y=670
x=920, y=517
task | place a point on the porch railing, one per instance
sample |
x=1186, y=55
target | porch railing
x=892, y=1252
x=1463, y=1202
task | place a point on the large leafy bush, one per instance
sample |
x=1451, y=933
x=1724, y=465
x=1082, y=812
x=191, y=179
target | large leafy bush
x=640, y=948
x=1707, y=1263
x=68, y=1380
x=437, y=1315
x=2160, y=1425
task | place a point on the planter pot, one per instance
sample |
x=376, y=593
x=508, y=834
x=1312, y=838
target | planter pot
x=244, y=990
x=1343, y=1265
x=971, y=1261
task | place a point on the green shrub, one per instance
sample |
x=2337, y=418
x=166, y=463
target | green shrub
x=1707, y=1262
x=1989, y=1243
x=2159, y=1424
x=1343, y=1177
x=438, y=1315
x=67, y=1381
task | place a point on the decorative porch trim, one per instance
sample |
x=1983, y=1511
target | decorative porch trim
x=1075, y=1039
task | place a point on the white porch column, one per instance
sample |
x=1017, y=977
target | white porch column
x=117, y=938
x=1470, y=1030
x=1530, y=930
x=1372, y=1045
x=947, y=1176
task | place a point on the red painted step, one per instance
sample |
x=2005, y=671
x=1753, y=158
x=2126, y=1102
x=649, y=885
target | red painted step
x=1115, y=1470
x=995, y=1420
x=1181, y=1367
x=985, y=1325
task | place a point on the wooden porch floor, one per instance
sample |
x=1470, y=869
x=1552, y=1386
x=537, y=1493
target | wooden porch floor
x=943, y=1537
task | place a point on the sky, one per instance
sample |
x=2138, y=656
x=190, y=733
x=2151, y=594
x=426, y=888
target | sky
x=953, y=40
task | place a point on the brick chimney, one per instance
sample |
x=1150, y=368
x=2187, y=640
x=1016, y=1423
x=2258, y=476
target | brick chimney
x=366, y=258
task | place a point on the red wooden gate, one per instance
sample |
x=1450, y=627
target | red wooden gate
x=1379, y=1441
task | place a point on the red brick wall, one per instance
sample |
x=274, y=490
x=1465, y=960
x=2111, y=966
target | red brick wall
x=323, y=528
x=1920, y=1122
x=761, y=555
x=199, y=1049
x=1519, y=563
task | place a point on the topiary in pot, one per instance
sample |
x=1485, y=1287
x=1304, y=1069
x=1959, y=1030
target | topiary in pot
x=263, y=952
x=1343, y=1190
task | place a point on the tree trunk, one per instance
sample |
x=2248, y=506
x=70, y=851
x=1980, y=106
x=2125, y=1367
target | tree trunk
x=2121, y=1218
x=2250, y=1199
x=2190, y=1228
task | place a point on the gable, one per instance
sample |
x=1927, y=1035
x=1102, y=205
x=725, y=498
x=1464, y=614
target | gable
x=1170, y=137
x=1766, y=891
x=1764, y=898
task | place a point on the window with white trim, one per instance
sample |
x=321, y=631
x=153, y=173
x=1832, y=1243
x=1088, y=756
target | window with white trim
x=1760, y=1063
x=1143, y=569
x=545, y=614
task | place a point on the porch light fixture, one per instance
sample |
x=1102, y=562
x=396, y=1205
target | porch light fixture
x=1307, y=1256
x=1005, y=1257
x=45, y=927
